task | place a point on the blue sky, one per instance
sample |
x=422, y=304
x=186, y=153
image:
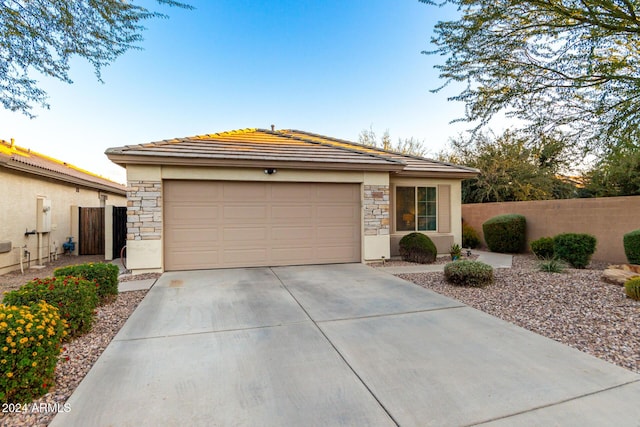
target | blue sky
x=333, y=67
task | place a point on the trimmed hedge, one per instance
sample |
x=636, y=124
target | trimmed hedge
x=506, y=233
x=416, y=247
x=470, y=237
x=105, y=275
x=30, y=340
x=543, y=248
x=74, y=297
x=574, y=248
x=632, y=288
x=468, y=273
x=631, y=242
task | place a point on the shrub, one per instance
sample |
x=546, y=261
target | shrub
x=543, y=248
x=470, y=237
x=30, y=338
x=632, y=288
x=105, y=275
x=74, y=297
x=505, y=233
x=631, y=242
x=468, y=273
x=552, y=265
x=416, y=247
x=576, y=249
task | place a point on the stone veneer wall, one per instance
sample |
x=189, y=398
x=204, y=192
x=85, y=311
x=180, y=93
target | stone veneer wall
x=376, y=210
x=144, y=210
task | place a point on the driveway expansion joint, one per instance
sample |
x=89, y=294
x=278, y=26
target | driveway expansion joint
x=550, y=405
x=384, y=408
x=399, y=313
x=250, y=328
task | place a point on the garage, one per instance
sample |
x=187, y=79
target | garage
x=221, y=224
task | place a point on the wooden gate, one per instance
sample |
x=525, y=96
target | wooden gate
x=91, y=239
x=119, y=229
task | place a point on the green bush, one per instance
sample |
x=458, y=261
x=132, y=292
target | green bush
x=31, y=338
x=631, y=243
x=470, y=237
x=105, y=275
x=576, y=249
x=74, y=297
x=506, y=233
x=468, y=273
x=552, y=265
x=416, y=247
x=543, y=248
x=632, y=288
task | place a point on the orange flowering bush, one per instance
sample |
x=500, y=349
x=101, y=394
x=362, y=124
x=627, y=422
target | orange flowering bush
x=30, y=342
x=75, y=297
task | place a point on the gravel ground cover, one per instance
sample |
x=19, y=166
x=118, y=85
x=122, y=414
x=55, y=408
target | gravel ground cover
x=79, y=355
x=575, y=307
x=398, y=262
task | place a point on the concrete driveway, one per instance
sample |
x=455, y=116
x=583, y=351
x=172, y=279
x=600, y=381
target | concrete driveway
x=336, y=345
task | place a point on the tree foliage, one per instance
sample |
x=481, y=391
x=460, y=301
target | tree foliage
x=410, y=146
x=570, y=65
x=512, y=168
x=617, y=174
x=42, y=36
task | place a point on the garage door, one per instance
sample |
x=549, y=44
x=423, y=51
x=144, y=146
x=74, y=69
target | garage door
x=218, y=224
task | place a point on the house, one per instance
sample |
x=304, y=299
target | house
x=258, y=197
x=40, y=199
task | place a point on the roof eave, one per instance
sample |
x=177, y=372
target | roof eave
x=22, y=167
x=128, y=159
x=432, y=174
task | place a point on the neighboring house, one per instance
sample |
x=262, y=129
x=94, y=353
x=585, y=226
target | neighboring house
x=40, y=199
x=256, y=197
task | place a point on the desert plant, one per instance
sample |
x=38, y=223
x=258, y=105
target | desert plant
x=416, y=247
x=468, y=273
x=470, y=237
x=632, y=288
x=30, y=340
x=543, y=248
x=574, y=248
x=552, y=265
x=505, y=233
x=455, y=251
x=74, y=297
x=631, y=242
x=103, y=274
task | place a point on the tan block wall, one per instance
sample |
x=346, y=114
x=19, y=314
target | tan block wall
x=608, y=219
x=18, y=195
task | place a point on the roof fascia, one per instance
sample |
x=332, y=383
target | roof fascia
x=125, y=159
x=21, y=167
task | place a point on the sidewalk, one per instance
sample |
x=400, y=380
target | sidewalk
x=495, y=260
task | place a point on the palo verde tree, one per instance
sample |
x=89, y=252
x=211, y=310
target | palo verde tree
x=568, y=65
x=410, y=146
x=42, y=36
x=512, y=168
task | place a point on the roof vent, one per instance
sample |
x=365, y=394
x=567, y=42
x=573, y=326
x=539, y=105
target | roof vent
x=273, y=128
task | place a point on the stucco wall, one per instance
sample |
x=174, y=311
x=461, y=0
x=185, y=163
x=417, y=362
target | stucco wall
x=145, y=252
x=19, y=193
x=606, y=218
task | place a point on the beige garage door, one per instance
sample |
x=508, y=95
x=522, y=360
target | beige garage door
x=217, y=224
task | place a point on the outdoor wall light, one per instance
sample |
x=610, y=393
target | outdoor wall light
x=270, y=171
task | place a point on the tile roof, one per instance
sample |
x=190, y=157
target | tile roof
x=286, y=147
x=26, y=160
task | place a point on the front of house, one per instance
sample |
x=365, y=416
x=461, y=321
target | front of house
x=257, y=197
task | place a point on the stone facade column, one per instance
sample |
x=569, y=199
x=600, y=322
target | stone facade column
x=144, y=210
x=376, y=210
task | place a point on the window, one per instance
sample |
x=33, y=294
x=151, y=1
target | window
x=416, y=209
